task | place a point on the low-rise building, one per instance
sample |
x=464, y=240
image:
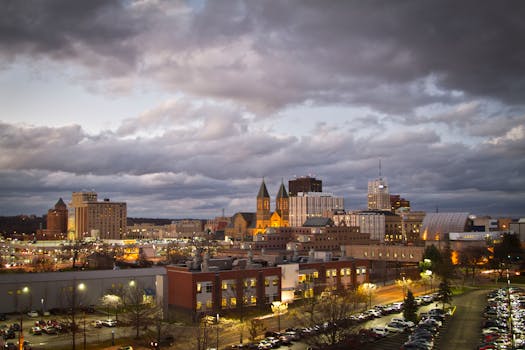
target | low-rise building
x=217, y=285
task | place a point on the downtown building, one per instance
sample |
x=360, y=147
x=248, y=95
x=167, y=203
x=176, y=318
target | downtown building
x=382, y=225
x=207, y=286
x=307, y=205
x=56, y=223
x=98, y=219
x=304, y=184
x=378, y=195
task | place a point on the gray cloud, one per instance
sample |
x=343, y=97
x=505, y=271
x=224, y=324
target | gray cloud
x=441, y=85
x=267, y=56
x=200, y=176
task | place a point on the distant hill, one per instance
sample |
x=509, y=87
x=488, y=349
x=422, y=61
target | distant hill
x=133, y=221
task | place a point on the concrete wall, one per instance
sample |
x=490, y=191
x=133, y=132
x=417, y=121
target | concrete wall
x=53, y=289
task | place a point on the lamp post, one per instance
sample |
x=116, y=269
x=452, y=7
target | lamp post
x=404, y=283
x=279, y=307
x=369, y=287
x=217, y=329
x=24, y=290
x=428, y=273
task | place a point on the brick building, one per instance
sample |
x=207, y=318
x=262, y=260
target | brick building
x=221, y=285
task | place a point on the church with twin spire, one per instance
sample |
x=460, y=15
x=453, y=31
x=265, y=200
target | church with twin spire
x=264, y=217
x=245, y=225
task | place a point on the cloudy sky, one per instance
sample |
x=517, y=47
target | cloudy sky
x=180, y=108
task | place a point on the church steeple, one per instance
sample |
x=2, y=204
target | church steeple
x=263, y=192
x=282, y=191
x=263, y=208
x=282, y=205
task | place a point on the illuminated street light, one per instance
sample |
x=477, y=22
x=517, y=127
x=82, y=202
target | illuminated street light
x=279, y=308
x=404, y=283
x=368, y=288
x=24, y=290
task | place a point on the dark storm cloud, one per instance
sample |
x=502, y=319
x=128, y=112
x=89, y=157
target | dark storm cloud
x=200, y=176
x=441, y=85
x=390, y=56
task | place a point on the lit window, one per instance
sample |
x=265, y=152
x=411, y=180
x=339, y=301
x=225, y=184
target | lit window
x=253, y=283
x=199, y=305
x=253, y=299
x=224, y=285
x=233, y=301
x=266, y=282
x=275, y=282
x=334, y=272
x=316, y=274
x=209, y=304
x=224, y=302
x=199, y=288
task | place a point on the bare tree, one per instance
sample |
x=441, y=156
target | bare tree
x=73, y=298
x=329, y=313
x=140, y=310
x=255, y=327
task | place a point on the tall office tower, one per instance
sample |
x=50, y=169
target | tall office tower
x=103, y=219
x=57, y=218
x=378, y=196
x=312, y=204
x=263, y=209
x=304, y=184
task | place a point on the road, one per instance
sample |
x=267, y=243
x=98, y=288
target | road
x=464, y=328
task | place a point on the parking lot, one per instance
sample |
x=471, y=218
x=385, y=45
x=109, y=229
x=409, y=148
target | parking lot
x=44, y=332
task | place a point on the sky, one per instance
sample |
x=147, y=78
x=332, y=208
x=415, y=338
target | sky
x=181, y=108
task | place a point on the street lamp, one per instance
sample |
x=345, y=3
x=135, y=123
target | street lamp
x=24, y=290
x=217, y=329
x=428, y=273
x=279, y=307
x=369, y=287
x=82, y=287
x=404, y=284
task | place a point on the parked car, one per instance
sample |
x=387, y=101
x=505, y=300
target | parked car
x=10, y=346
x=395, y=327
x=166, y=340
x=382, y=331
x=403, y=322
x=109, y=323
x=96, y=323
x=35, y=330
x=32, y=313
x=50, y=330
x=9, y=334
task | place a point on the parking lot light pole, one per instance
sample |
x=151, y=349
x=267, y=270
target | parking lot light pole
x=217, y=335
x=24, y=290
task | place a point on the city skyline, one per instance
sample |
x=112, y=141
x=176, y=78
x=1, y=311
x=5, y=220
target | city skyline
x=180, y=108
